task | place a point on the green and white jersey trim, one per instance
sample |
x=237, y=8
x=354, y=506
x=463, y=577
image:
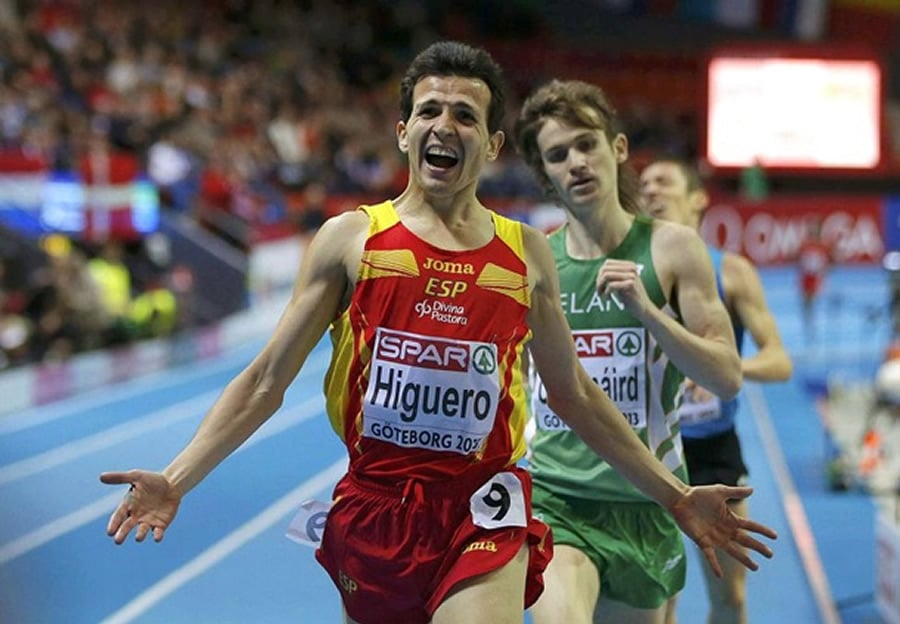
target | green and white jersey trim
x=624, y=360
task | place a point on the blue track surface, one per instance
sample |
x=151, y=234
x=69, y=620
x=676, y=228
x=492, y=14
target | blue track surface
x=226, y=558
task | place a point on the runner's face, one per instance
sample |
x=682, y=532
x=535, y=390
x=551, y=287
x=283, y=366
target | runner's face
x=580, y=162
x=664, y=194
x=446, y=137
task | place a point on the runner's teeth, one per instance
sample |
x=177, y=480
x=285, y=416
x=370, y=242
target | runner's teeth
x=437, y=150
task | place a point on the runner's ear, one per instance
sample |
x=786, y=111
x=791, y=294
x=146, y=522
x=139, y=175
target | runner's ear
x=402, y=137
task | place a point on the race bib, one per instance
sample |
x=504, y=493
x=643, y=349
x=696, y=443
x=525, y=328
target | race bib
x=694, y=413
x=499, y=503
x=615, y=360
x=431, y=393
x=308, y=524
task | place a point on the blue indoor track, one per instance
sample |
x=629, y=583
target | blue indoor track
x=226, y=558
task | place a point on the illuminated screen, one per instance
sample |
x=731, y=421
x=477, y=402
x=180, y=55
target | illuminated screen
x=794, y=113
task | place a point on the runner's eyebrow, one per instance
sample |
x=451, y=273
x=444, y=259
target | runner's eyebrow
x=454, y=105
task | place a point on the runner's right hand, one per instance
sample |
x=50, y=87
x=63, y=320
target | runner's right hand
x=150, y=505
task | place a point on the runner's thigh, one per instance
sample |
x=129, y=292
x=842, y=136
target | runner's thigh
x=493, y=598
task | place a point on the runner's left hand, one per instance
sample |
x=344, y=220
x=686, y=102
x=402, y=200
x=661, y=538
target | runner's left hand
x=704, y=516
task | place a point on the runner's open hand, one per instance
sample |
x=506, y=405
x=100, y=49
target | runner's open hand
x=704, y=516
x=150, y=505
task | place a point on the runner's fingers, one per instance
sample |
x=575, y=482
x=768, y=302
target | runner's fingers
x=710, y=553
x=122, y=512
x=115, y=520
x=756, y=527
x=158, y=533
x=125, y=528
x=731, y=493
x=614, y=264
x=114, y=478
x=750, y=542
x=617, y=284
x=607, y=276
x=120, y=478
x=607, y=273
x=142, y=530
x=741, y=555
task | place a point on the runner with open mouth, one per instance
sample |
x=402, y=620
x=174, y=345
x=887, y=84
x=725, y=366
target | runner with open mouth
x=441, y=157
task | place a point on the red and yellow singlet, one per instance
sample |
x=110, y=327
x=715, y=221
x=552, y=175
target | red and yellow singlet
x=425, y=380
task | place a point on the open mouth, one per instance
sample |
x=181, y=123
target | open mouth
x=441, y=157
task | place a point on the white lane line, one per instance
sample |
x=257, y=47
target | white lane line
x=58, y=527
x=793, y=507
x=155, y=382
x=239, y=537
x=87, y=514
x=116, y=435
x=107, y=438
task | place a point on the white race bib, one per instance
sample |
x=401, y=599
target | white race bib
x=432, y=393
x=309, y=522
x=615, y=359
x=694, y=413
x=499, y=503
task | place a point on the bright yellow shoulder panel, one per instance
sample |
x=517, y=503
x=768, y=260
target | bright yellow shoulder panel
x=385, y=262
x=499, y=279
x=381, y=216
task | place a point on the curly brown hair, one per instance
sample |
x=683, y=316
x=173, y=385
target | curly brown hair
x=579, y=104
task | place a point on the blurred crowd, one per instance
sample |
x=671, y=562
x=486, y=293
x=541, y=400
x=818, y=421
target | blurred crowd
x=241, y=111
x=66, y=297
x=244, y=113
x=231, y=107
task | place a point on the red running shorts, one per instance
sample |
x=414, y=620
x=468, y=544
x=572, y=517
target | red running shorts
x=396, y=552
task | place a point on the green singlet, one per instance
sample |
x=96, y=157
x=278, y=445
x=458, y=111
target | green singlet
x=573, y=488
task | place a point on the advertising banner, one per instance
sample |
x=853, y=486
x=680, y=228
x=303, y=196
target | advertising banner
x=771, y=232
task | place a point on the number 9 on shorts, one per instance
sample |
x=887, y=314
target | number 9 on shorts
x=499, y=503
